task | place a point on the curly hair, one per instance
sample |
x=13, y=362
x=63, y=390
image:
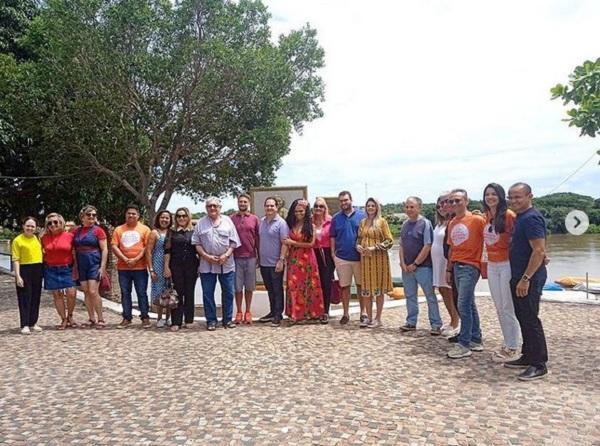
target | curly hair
x=307, y=226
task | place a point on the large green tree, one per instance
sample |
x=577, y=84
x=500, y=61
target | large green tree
x=27, y=185
x=582, y=95
x=158, y=98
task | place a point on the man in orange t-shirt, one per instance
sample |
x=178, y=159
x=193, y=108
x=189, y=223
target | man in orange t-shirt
x=466, y=248
x=129, y=246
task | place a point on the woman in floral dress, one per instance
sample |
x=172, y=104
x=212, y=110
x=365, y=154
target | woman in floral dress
x=304, y=297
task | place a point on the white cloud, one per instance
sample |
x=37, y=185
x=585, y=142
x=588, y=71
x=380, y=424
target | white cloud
x=427, y=95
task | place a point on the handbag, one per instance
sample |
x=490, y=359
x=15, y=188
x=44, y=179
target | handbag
x=336, y=292
x=168, y=298
x=104, y=284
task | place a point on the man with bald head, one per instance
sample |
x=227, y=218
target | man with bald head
x=527, y=253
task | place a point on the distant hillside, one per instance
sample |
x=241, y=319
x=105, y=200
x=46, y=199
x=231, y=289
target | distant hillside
x=554, y=208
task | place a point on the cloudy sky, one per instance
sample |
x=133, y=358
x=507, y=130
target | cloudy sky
x=427, y=95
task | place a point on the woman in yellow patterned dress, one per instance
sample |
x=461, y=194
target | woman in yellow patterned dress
x=373, y=242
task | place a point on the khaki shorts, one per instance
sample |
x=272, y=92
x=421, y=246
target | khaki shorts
x=345, y=270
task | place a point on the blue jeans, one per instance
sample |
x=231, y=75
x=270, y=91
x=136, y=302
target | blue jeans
x=208, y=282
x=466, y=277
x=139, y=279
x=423, y=276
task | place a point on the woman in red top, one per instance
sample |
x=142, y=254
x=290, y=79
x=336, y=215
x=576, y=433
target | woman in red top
x=57, y=246
x=322, y=222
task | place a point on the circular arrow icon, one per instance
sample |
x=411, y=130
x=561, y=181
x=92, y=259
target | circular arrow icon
x=577, y=222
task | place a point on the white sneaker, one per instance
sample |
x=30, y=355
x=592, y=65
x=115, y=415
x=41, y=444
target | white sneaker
x=37, y=328
x=169, y=323
x=25, y=330
x=374, y=324
x=458, y=351
x=451, y=332
x=160, y=323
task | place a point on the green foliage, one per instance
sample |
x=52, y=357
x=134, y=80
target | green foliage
x=582, y=94
x=15, y=17
x=151, y=98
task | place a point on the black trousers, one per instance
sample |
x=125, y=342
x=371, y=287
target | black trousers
x=326, y=268
x=534, y=349
x=30, y=294
x=274, y=284
x=184, y=276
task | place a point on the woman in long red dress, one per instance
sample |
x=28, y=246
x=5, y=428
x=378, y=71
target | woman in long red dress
x=304, y=294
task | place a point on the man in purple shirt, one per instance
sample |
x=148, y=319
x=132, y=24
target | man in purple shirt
x=244, y=256
x=215, y=239
x=273, y=230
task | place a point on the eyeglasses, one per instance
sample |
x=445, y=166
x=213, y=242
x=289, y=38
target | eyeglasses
x=90, y=214
x=181, y=215
x=212, y=205
x=53, y=222
x=454, y=201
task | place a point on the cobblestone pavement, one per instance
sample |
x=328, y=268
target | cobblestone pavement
x=301, y=385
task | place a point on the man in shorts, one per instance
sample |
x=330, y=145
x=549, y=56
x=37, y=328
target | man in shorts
x=246, y=225
x=344, y=232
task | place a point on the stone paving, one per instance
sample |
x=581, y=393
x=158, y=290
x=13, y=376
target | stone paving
x=301, y=385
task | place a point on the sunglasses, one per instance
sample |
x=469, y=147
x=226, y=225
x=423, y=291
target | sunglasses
x=181, y=215
x=90, y=214
x=319, y=206
x=455, y=201
x=212, y=205
x=53, y=222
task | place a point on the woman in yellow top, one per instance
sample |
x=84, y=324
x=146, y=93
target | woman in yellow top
x=26, y=251
x=373, y=242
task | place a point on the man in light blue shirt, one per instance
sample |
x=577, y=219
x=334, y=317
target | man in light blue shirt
x=215, y=238
x=272, y=231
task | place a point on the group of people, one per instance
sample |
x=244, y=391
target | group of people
x=313, y=247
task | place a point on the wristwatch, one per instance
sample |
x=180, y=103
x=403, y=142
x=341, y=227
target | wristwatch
x=525, y=278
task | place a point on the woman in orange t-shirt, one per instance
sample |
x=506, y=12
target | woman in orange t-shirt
x=496, y=235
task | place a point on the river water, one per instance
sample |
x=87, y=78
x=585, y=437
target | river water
x=570, y=255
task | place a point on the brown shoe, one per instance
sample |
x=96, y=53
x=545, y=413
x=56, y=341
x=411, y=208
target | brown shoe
x=124, y=324
x=146, y=323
